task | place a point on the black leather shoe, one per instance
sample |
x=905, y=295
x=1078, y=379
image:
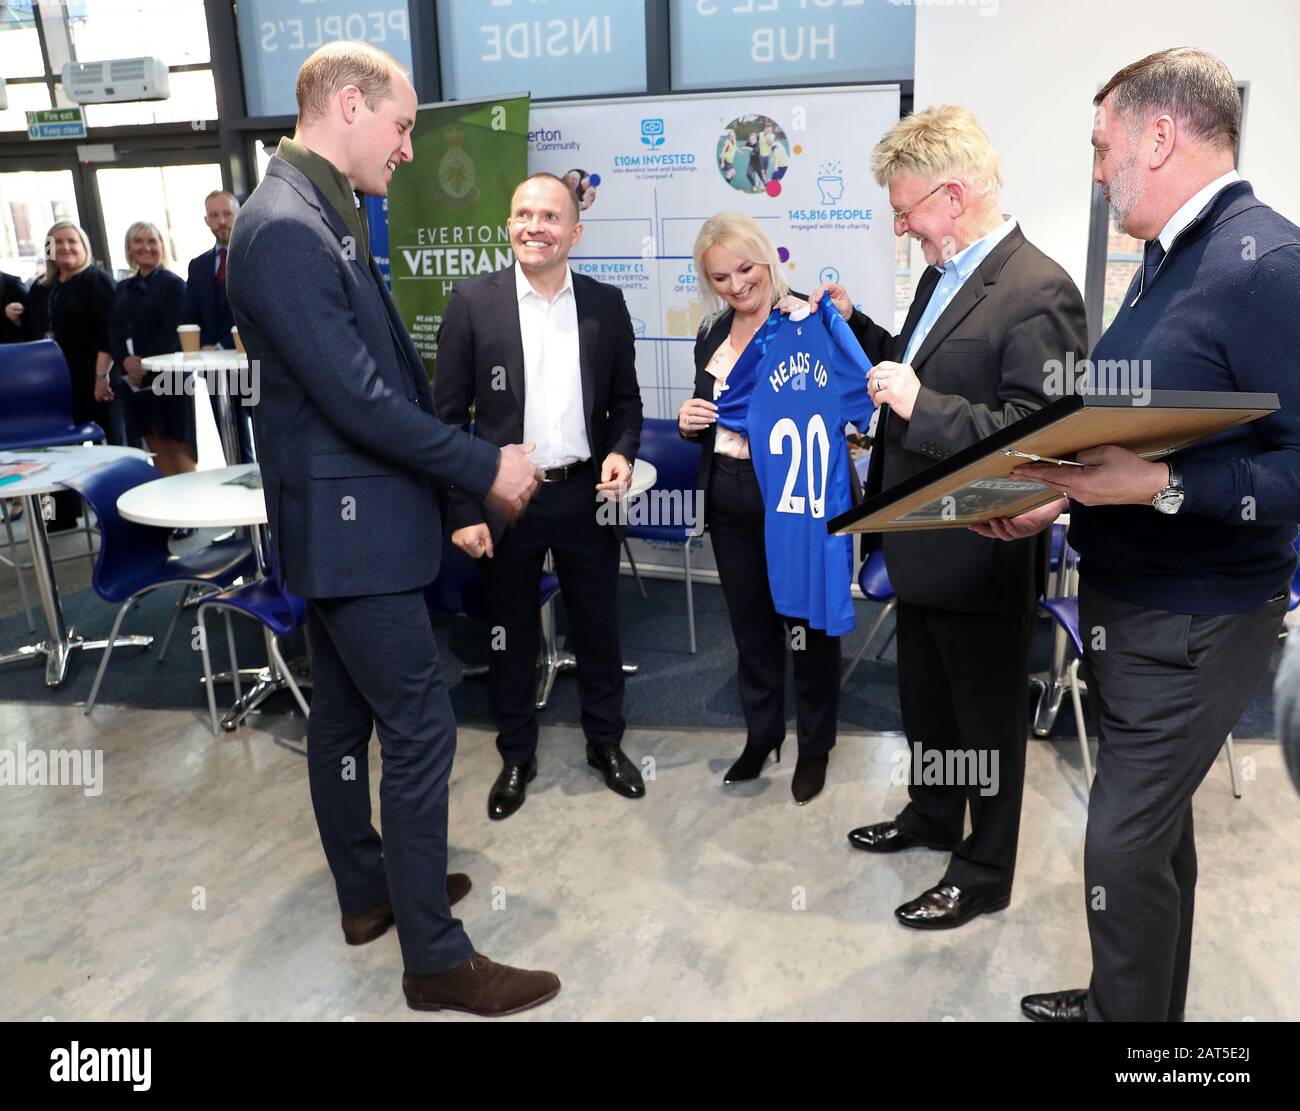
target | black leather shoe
x=750, y=762
x=809, y=778
x=890, y=837
x=507, y=794
x=1057, y=1006
x=620, y=773
x=947, y=906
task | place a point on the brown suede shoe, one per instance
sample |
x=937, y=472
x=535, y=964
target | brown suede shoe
x=481, y=987
x=366, y=925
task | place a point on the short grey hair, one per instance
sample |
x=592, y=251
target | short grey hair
x=1192, y=86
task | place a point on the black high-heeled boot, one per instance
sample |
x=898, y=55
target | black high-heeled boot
x=751, y=762
x=809, y=778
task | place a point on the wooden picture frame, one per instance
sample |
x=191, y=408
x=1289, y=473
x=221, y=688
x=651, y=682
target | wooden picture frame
x=974, y=485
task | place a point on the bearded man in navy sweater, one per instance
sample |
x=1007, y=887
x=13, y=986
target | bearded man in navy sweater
x=1184, y=564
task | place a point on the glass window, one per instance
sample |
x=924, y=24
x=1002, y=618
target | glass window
x=31, y=201
x=24, y=98
x=169, y=196
x=740, y=44
x=1123, y=260
x=174, y=30
x=20, y=47
x=569, y=48
x=275, y=37
x=193, y=98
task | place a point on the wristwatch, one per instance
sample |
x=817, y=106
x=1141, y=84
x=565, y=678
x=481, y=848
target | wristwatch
x=1170, y=499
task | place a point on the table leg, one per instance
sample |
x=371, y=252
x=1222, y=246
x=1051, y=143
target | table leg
x=61, y=642
x=228, y=430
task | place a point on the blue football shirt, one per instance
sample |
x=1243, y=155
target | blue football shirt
x=791, y=393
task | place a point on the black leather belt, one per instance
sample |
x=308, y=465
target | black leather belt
x=561, y=474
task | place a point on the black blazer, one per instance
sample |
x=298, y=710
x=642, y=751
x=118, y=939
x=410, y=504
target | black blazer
x=11, y=290
x=206, y=303
x=146, y=311
x=480, y=334
x=982, y=367
x=351, y=453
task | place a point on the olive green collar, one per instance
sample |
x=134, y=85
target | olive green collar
x=334, y=187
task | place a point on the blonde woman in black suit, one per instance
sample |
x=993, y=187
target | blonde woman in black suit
x=741, y=281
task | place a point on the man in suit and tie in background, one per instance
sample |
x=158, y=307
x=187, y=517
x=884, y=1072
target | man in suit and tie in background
x=990, y=311
x=547, y=355
x=353, y=459
x=207, y=303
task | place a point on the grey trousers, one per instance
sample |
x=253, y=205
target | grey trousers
x=1168, y=688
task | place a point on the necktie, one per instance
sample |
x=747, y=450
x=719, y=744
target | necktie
x=1151, y=262
x=221, y=265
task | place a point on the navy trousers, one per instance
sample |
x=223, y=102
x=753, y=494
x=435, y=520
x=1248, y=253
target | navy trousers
x=375, y=664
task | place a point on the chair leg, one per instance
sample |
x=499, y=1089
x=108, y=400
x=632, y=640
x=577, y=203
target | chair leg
x=122, y=611
x=1230, y=751
x=1079, y=723
x=550, y=657
x=893, y=603
x=627, y=550
x=207, y=674
x=283, y=668
x=234, y=663
x=16, y=558
x=171, y=628
x=690, y=595
x=871, y=635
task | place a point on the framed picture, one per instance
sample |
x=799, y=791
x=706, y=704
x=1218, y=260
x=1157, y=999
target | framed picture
x=975, y=484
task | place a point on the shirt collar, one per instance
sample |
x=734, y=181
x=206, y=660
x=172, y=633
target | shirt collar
x=1185, y=215
x=523, y=287
x=964, y=262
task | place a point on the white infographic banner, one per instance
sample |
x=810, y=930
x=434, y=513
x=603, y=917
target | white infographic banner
x=649, y=171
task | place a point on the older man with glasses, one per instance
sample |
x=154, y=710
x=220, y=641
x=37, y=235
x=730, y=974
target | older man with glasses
x=990, y=312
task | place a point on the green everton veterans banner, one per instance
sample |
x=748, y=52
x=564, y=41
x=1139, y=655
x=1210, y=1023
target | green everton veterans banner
x=447, y=210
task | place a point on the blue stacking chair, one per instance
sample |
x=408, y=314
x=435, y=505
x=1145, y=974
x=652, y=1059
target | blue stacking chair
x=36, y=411
x=873, y=581
x=135, y=560
x=458, y=590
x=677, y=462
x=280, y=613
x=36, y=398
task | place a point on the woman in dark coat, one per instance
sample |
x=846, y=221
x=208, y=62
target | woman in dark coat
x=73, y=299
x=146, y=312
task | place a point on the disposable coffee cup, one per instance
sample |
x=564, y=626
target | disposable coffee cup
x=239, y=343
x=189, y=337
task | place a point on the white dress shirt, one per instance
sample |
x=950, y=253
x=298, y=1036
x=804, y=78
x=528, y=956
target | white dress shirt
x=553, y=414
x=1192, y=208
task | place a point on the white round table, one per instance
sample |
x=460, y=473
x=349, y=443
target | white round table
x=216, y=499
x=59, y=465
x=199, y=499
x=219, y=368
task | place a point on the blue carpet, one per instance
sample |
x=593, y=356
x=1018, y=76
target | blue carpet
x=673, y=690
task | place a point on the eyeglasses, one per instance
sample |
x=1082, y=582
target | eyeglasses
x=900, y=217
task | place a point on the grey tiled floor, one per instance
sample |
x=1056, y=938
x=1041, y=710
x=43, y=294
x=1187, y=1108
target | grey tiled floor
x=693, y=903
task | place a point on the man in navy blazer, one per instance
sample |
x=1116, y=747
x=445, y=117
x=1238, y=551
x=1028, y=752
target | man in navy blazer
x=352, y=460
x=206, y=301
x=207, y=304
